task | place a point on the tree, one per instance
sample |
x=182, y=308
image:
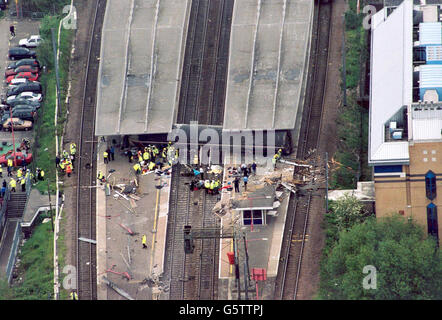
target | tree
x=344, y=214
x=408, y=265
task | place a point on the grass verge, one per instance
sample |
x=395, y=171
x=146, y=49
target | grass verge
x=352, y=123
x=35, y=268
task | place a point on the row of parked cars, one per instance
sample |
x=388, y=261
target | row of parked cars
x=24, y=92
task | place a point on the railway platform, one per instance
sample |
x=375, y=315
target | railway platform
x=263, y=241
x=121, y=224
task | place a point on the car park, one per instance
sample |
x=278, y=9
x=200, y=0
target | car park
x=18, y=53
x=24, y=62
x=23, y=114
x=24, y=68
x=29, y=86
x=20, y=157
x=27, y=75
x=31, y=42
x=17, y=124
x=26, y=96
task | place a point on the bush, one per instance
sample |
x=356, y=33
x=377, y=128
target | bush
x=46, y=6
x=343, y=215
x=408, y=265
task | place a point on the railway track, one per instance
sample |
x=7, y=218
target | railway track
x=190, y=276
x=204, y=74
x=287, y=283
x=85, y=195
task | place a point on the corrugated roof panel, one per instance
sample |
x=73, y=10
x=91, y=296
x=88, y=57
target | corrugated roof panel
x=427, y=129
x=430, y=33
x=430, y=76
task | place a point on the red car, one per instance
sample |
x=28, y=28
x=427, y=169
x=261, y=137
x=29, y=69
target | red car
x=20, y=157
x=25, y=68
x=28, y=75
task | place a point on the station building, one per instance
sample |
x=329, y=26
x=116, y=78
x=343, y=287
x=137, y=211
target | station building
x=405, y=121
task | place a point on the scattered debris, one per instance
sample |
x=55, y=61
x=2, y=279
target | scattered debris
x=132, y=203
x=127, y=229
x=88, y=240
x=124, y=274
x=118, y=290
x=122, y=195
x=134, y=197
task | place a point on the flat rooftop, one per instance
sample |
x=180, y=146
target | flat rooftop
x=268, y=50
x=140, y=66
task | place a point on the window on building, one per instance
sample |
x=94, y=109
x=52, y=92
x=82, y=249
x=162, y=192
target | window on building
x=252, y=216
x=385, y=169
x=430, y=185
x=432, y=221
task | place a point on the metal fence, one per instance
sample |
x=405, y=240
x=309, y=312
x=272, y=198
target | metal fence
x=26, y=14
x=13, y=252
x=6, y=198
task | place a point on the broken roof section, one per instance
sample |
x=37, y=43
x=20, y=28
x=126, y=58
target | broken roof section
x=260, y=199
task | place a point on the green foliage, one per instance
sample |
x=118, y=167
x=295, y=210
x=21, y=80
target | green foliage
x=347, y=212
x=47, y=6
x=352, y=20
x=408, y=265
x=44, y=146
x=36, y=267
x=352, y=141
x=343, y=214
x=352, y=120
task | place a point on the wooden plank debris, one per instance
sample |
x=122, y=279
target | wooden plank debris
x=134, y=197
x=126, y=228
x=88, y=240
x=132, y=203
x=116, y=289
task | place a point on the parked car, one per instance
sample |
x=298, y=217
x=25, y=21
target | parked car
x=3, y=4
x=16, y=82
x=26, y=96
x=27, y=75
x=24, y=68
x=18, y=53
x=23, y=114
x=24, y=107
x=24, y=62
x=28, y=86
x=23, y=102
x=31, y=42
x=20, y=107
x=17, y=124
x=21, y=158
